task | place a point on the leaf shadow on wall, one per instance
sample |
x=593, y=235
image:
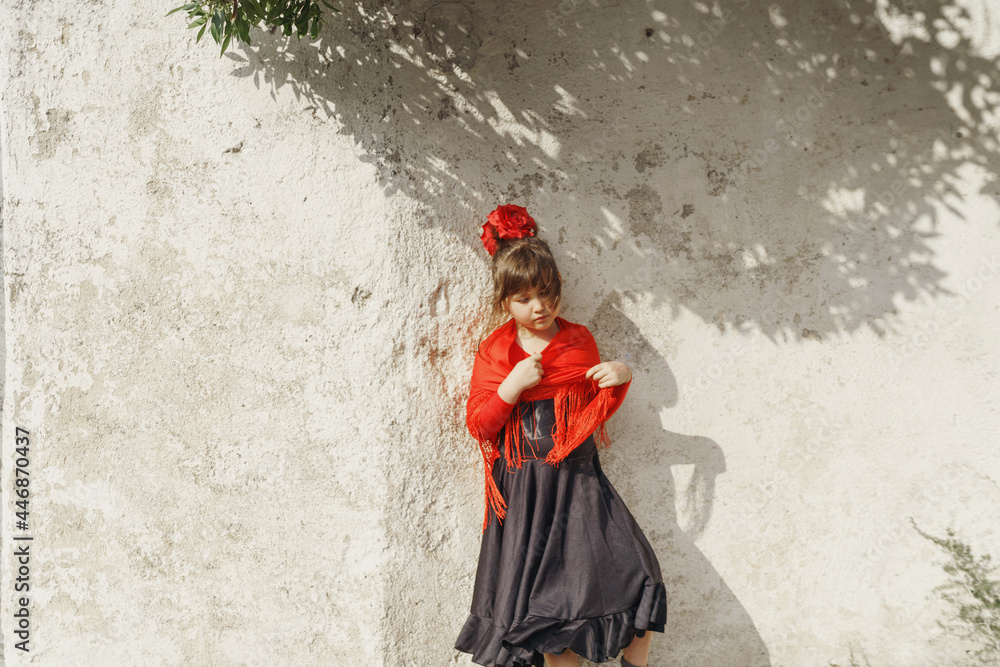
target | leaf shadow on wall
x=780, y=168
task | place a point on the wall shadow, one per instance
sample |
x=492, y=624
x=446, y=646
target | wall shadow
x=812, y=221
x=708, y=625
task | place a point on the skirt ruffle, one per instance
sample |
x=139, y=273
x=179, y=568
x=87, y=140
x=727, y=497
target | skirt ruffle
x=597, y=639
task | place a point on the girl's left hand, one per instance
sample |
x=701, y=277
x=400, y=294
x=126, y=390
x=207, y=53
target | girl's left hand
x=610, y=373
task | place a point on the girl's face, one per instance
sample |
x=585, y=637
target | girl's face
x=532, y=311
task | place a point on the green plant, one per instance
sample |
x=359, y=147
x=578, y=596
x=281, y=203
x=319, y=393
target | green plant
x=975, y=596
x=226, y=19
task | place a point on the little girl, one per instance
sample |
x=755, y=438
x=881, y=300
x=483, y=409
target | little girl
x=564, y=570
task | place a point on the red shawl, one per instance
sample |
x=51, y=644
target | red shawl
x=581, y=406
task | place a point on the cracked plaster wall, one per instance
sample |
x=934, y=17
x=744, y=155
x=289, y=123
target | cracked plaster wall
x=242, y=296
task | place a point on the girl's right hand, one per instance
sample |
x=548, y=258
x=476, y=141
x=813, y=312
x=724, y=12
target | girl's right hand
x=525, y=374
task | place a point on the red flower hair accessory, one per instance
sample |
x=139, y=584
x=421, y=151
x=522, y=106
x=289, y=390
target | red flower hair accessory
x=506, y=222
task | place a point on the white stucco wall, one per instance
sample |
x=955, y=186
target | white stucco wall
x=242, y=296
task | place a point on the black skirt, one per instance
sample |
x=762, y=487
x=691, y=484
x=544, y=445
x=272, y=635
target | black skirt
x=568, y=568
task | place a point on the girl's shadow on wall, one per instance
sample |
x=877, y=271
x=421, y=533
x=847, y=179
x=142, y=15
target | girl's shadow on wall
x=707, y=626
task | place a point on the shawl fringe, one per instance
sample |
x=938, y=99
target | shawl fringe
x=581, y=408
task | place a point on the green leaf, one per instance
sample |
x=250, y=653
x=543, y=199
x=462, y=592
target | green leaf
x=225, y=44
x=275, y=15
x=258, y=10
x=238, y=29
x=217, y=27
x=302, y=22
x=185, y=8
x=200, y=33
x=198, y=22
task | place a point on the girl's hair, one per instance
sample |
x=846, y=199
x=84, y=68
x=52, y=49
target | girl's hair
x=517, y=265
